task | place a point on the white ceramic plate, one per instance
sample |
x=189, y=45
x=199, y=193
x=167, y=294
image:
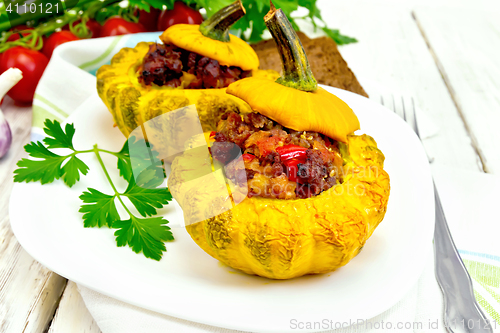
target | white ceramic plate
x=189, y=284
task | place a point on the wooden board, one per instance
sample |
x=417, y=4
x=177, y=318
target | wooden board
x=29, y=293
x=466, y=44
x=72, y=316
x=393, y=53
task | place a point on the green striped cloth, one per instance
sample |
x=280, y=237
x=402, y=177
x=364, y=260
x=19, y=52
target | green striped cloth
x=469, y=199
x=470, y=202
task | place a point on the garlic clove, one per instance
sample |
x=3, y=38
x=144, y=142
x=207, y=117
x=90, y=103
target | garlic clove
x=5, y=135
x=8, y=79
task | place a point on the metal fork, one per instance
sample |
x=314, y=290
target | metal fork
x=462, y=313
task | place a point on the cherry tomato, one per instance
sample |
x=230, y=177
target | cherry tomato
x=32, y=64
x=16, y=34
x=56, y=39
x=149, y=20
x=116, y=25
x=92, y=25
x=181, y=13
x=21, y=27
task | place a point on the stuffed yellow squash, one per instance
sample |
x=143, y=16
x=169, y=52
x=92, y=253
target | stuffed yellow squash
x=194, y=66
x=305, y=193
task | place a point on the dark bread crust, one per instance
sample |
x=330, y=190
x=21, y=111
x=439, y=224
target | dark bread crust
x=326, y=62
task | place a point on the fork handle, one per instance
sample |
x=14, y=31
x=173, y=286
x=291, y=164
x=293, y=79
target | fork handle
x=462, y=313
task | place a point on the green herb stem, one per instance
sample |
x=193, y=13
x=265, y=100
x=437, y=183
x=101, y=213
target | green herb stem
x=84, y=151
x=96, y=150
x=105, y=151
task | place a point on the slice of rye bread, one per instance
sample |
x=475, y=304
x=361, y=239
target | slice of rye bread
x=326, y=62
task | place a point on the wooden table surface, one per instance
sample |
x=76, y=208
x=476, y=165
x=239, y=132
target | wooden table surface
x=443, y=53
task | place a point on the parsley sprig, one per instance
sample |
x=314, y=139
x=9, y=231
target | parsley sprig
x=145, y=233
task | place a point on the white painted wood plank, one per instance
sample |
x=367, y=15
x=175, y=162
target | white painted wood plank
x=467, y=46
x=72, y=315
x=488, y=5
x=29, y=293
x=392, y=52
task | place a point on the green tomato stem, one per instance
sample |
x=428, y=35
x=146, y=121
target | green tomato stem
x=24, y=18
x=80, y=30
x=34, y=40
x=128, y=14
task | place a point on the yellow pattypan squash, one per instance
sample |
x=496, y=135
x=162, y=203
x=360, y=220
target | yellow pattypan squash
x=133, y=103
x=276, y=238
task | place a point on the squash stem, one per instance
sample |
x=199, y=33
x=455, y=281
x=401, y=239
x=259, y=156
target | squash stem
x=218, y=25
x=296, y=70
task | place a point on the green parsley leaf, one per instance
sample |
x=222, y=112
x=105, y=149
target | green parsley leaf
x=141, y=155
x=158, y=4
x=124, y=166
x=49, y=166
x=212, y=6
x=337, y=37
x=288, y=6
x=258, y=28
x=100, y=209
x=147, y=235
x=71, y=170
x=151, y=177
x=146, y=5
x=311, y=6
x=147, y=200
x=45, y=170
x=141, y=5
x=57, y=138
x=260, y=5
x=257, y=9
x=137, y=159
x=197, y=4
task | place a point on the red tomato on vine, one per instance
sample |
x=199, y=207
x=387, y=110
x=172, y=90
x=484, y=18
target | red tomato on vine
x=115, y=26
x=21, y=31
x=181, y=13
x=93, y=26
x=32, y=64
x=17, y=34
x=56, y=39
x=149, y=20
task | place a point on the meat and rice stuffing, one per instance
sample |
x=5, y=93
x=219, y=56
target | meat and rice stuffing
x=279, y=162
x=172, y=66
